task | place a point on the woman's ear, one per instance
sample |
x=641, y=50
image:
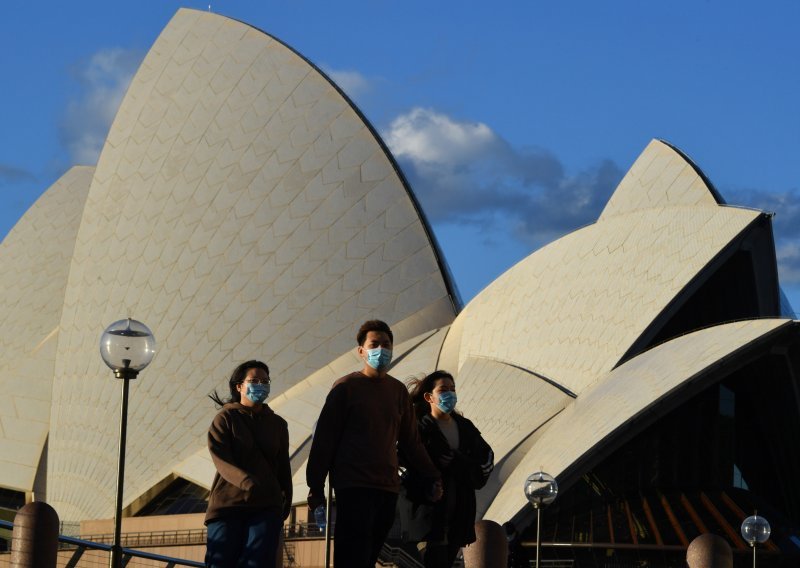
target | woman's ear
x=427, y=396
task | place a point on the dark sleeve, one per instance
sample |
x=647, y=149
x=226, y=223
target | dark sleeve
x=220, y=446
x=410, y=445
x=327, y=434
x=284, y=467
x=478, y=455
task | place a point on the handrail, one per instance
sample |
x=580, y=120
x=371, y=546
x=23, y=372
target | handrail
x=131, y=553
x=154, y=538
x=397, y=556
x=303, y=531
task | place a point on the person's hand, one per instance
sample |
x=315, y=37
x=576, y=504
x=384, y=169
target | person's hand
x=254, y=494
x=287, y=507
x=436, y=491
x=316, y=497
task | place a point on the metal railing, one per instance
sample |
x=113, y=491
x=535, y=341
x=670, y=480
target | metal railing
x=80, y=547
x=153, y=538
x=299, y=531
x=393, y=556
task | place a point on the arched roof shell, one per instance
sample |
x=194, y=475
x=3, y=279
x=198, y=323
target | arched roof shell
x=570, y=311
x=661, y=176
x=608, y=407
x=35, y=259
x=241, y=208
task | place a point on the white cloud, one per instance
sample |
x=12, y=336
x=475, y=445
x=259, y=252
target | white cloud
x=463, y=171
x=425, y=136
x=103, y=81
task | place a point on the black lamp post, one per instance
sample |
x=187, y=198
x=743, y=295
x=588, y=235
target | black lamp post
x=541, y=489
x=127, y=346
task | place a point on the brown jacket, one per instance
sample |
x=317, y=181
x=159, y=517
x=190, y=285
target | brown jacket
x=361, y=427
x=251, y=453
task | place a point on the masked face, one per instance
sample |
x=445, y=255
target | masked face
x=255, y=387
x=376, y=350
x=447, y=401
x=257, y=393
x=443, y=396
x=379, y=358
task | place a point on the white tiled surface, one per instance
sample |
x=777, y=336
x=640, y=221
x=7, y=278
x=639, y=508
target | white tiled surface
x=660, y=177
x=623, y=394
x=35, y=260
x=241, y=209
x=572, y=309
x=505, y=402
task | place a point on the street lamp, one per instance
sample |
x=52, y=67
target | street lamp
x=755, y=530
x=127, y=346
x=541, y=489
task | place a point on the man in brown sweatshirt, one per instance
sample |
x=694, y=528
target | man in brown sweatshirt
x=366, y=419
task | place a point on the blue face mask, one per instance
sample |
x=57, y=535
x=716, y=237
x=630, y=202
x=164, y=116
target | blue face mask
x=379, y=358
x=257, y=393
x=447, y=401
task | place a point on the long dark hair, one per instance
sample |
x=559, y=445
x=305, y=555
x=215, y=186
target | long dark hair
x=237, y=378
x=419, y=387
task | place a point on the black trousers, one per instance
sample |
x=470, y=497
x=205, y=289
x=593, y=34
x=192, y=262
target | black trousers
x=440, y=555
x=363, y=519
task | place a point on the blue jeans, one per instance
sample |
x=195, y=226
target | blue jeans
x=244, y=541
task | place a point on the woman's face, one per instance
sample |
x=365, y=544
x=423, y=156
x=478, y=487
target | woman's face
x=445, y=384
x=253, y=376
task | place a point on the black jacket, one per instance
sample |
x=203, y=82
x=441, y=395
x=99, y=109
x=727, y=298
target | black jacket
x=463, y=471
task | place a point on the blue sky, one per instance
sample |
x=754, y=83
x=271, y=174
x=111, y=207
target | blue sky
x=513, y=121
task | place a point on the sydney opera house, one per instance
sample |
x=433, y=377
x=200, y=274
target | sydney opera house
x=243, y=207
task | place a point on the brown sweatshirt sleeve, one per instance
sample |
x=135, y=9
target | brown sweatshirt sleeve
x=325, y=443
x=220, y=444
x=411, y=447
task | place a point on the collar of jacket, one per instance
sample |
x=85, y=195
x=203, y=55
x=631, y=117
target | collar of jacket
x=265, y=409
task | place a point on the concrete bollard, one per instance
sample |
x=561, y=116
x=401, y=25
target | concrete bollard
x=709, y=551
x=491, y=548
x=34, y=540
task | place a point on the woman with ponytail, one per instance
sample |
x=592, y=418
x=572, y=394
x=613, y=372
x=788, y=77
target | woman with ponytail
x=252, y=491
x=464, y=458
